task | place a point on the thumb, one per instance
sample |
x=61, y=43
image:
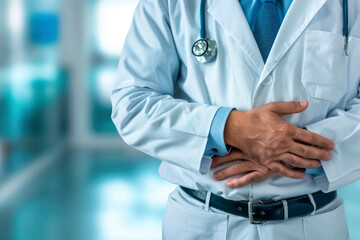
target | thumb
x=286, y=108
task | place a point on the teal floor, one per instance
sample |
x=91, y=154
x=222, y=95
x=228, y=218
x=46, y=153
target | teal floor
x=90, y=196
x=102, y=196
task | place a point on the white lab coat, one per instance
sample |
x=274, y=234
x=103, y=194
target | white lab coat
x=164, y=100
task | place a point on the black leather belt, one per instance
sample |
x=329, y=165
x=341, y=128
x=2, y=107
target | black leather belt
x=261, y=211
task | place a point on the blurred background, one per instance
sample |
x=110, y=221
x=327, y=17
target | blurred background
x=64, y=171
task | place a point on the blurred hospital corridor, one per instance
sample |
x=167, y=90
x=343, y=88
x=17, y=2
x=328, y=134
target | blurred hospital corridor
x=85, y=194
x=65, y=173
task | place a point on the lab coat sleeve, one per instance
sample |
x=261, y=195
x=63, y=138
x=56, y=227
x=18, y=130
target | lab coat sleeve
x=343, y=127
x=145, y=111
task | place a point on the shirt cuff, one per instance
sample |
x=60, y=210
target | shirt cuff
x=316, y=171
x=216, y=144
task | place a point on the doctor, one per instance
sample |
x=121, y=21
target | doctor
x=259, y=131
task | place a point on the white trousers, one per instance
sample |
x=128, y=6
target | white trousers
x=188, y=219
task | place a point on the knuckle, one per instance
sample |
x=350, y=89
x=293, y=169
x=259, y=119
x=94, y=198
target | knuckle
x=306, y=153
x=221, y=174
x=237, y=166
x=300, y=149
x=227, y=172
x=310, y=138
x=271, y=105
x=277, y=169
x=303, y=134
x=277, y=144
x=280, y=172
x=284, y=129
x=295, y=105
x=314, y=164
x=247, y=165
x=290, y=160
x=250, y=178
x=294, y=160
x=326, y=155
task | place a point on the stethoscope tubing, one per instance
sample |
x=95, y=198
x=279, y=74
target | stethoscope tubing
x=202, y=20
x=346, y=25
x=346, y=18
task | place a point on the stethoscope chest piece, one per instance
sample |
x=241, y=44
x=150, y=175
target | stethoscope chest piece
x=204, y=50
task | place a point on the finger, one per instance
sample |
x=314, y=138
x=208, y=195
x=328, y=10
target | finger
x=299, y=162
x=310, y=152
x=286, y=108
x=232, y=156
x=233, y=170
x=313, y=139
x=282, y=170
x=248, y=179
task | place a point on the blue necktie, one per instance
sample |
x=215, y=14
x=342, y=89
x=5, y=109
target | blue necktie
x=267, y=25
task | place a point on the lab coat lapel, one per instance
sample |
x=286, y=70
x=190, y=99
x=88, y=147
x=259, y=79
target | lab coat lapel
x=230, y=16
x=298, y=17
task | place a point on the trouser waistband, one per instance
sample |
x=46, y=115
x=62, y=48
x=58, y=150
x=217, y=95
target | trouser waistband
x=261, y=211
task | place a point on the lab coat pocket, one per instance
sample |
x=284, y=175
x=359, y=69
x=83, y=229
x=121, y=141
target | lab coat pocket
x=330, y=225
x=324, y=73
x=187, y=222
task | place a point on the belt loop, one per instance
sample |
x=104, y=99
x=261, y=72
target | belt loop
x=286, y=209
x=207, y=201
x=311, y=197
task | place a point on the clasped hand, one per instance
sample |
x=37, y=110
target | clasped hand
x=266, y=145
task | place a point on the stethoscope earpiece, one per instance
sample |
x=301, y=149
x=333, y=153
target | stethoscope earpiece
x=204, y=50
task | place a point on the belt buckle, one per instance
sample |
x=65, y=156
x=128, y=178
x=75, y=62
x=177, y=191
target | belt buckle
x=251, y=213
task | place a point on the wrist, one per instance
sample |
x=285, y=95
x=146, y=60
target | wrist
x=233, y=125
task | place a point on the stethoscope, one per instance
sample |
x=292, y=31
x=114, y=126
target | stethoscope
x=205, y=49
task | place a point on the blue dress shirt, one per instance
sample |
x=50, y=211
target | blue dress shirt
x=216, y=144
